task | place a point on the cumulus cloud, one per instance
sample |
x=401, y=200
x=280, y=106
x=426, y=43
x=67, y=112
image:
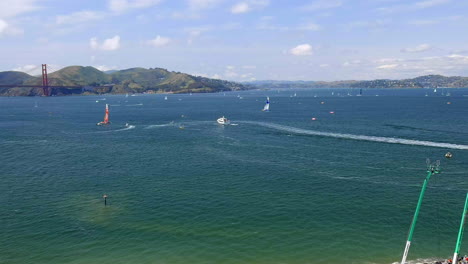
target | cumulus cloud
x=419, y=48
x=108, y=44
x=78, y=17
x=159, y=41
x=120, y=6
x=301, y=50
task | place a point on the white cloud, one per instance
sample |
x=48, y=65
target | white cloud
x=249, y=5
x=26, y=68
x=105, y=67
x=12, y=8
x=7, y=29
x=108, y=44
x=301, y=50
x=120, y=6
x=34, y=70
x=387, y=66
x=78, y=17
x=159, y=41
x=352, y=63
x=413, y=7
x=419, y=48
x=240, y=8
x=203, y=4
x=430, y=3
x=322, y=4
x=3, y=26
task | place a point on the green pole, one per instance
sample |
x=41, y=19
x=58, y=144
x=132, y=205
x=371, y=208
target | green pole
x=460, y=232
x=430, y=172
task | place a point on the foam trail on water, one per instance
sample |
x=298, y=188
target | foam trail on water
x=117, y=130
x=361, y=137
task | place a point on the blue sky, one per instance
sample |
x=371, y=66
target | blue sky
x=240, y=40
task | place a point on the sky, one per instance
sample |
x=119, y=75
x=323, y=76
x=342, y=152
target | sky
x=240, y=40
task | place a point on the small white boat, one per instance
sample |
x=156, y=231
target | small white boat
x=223, y=121
x=266, y=108
x=165, y=98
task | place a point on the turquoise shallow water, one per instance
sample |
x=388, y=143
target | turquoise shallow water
x=276, y=187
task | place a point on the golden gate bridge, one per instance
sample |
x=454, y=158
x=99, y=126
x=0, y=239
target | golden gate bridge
x=46, y=88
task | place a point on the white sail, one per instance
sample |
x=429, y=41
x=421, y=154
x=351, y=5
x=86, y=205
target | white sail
x=266, y=108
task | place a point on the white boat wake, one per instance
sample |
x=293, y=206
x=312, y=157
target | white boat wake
x=115, y=130
x=361, y=137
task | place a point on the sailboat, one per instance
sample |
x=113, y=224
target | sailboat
x=165, y=98
x=360, y=92
x=106, y=118
x=266, y=108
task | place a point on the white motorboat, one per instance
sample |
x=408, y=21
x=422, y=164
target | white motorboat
x=223, y=121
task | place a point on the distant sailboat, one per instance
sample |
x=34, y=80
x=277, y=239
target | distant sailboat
x=126, y=95
x=106, y=117
x=165, y=98
x=435, y=90
x=266, y=108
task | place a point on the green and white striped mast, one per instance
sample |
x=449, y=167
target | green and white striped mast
x=431, y=170
x=460, y=232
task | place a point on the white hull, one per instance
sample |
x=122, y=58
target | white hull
x=223, y=121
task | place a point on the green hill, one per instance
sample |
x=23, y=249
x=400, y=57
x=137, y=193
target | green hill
x=426, y=81
x=134, y=80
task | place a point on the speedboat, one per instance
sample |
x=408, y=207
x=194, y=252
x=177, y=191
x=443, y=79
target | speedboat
x=223, y=121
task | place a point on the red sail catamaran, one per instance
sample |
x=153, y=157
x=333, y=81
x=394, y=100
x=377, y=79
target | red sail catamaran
x=106, y=118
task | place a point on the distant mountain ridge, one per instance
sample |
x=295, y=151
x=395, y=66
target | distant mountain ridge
x=426, y=81
x=134, y=80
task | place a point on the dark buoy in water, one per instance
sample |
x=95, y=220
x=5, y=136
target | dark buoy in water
x=105, y=199
x=448, y=155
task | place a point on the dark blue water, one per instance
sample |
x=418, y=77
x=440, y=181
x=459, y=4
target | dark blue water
x=275, y=187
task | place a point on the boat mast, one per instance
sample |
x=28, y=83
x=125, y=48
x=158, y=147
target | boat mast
x=460, y=232
x=431, y=170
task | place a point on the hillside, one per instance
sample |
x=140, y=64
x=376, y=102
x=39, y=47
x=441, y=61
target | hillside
x=134, y=80
x=427, y=81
